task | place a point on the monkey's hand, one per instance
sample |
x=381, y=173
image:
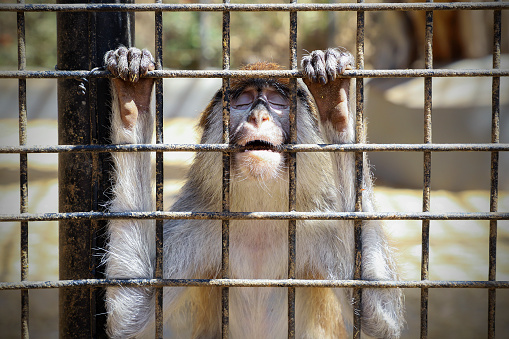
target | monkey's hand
x=331, y=94
x=132, y=91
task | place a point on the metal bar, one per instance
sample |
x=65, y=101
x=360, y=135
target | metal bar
x=159, y=174
x=75, y=172
x=499, y=147
x=96, y=169
x=80, y=123
x=353, y=7
x=359, y=171
x=427, y=171
x=257, y=216
x=23, y=171
x=495, y=138
x=225, y=223
x=292, y=174
x=285, y=283
x=357, y=73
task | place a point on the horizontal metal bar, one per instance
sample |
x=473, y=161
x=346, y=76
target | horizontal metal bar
x=253, y=7
x=252, y=283
x=258, y=216
x=395, y=73
x=235, y=148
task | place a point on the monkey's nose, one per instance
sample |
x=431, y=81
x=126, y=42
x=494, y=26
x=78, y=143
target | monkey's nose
x=258, y=117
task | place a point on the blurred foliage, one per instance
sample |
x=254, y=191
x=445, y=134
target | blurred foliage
x=40, y=35
x=191, y=40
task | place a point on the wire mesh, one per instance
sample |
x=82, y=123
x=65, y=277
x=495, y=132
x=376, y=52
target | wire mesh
x=360, y=147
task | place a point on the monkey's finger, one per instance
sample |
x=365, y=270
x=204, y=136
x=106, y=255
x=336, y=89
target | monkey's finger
x=122, y=63
x=134, y=58
x=345, y=61
x=331, y=63
x=110, y=61
x=318, y=63
x=147, y=62
x=309, y=72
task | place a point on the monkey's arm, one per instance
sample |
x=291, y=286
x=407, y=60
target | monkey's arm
x=382, y=309
x=131, y=246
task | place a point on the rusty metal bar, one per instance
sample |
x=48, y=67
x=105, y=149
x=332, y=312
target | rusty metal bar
x=495, y=138
x=427, y=171
x=75, y=190
x=257, y=216
x=398, y=73
x=225, y=223
x=95, y=138
x=82, y=123
x=292, y=174
x=76, y=283
x=499, y=147
x=359, y=171
x=353, y=7
x=158, y=293
x=23, y=171
x=96, y=168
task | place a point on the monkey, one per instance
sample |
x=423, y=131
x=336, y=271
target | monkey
x=259, y=116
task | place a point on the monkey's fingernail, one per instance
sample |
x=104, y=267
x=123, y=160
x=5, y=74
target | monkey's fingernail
x=323, y=80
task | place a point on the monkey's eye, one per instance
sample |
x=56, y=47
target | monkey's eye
x=244, y=101
x=277, y=101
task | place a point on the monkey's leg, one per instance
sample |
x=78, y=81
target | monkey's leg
x=131, y=247
x=318, y=314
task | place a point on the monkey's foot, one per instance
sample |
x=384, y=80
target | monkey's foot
x=321, y=70
x=132, y=91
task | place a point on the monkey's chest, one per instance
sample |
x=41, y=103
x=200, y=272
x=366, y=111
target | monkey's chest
x=258, y=249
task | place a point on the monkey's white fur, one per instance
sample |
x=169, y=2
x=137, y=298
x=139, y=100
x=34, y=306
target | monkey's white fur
x=258, y=249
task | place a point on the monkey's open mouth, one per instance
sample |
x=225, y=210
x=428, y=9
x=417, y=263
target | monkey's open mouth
x=261, y=145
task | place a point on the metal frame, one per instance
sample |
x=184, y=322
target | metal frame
x=427, y=148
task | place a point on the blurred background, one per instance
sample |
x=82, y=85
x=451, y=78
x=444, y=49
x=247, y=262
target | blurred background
x=394, y=111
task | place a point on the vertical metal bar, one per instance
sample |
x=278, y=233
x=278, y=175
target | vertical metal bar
x=82, y=41
x=23, y=170
x=359, y=164
x=74, y=172
x=159, y=173
x=292, y=173
x=495, y=138
x=225, y=252
x=96, y=170
x=427, y=171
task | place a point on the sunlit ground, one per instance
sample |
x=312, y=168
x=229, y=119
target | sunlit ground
x=458, y=249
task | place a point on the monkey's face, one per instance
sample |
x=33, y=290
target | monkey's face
x=259, y=121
